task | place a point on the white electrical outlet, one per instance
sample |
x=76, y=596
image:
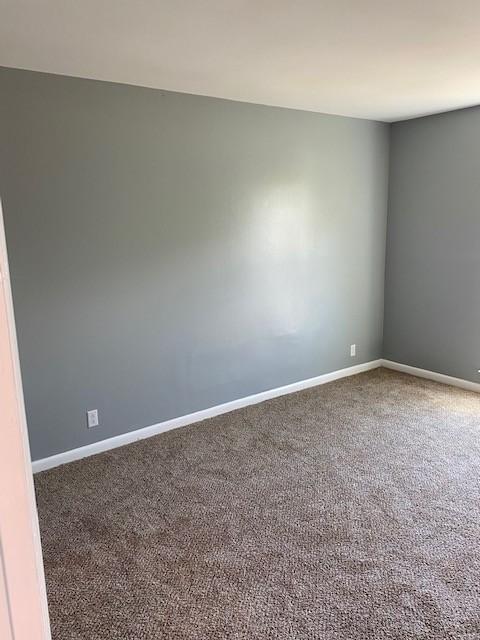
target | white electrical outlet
x=353, y=350
x=92, y=418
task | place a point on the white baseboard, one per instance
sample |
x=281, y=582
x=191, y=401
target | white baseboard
x=432, y=375
x=146, y=432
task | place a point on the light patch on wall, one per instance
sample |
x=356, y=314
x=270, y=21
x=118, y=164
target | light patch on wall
x=284, y=238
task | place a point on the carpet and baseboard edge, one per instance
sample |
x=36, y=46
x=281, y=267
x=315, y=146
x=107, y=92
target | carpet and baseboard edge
x=146, y=432
x=432, y=375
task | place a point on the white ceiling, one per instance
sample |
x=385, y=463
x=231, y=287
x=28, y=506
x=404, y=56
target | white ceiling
x=381, y=59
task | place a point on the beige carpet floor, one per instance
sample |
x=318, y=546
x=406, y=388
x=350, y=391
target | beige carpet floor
x=349, y=511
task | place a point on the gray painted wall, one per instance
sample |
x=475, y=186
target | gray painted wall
x=432, y=288
x=173, y=252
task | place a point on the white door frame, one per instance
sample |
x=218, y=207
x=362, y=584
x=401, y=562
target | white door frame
x=23, y=599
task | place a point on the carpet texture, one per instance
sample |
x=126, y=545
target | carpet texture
x=349, y=511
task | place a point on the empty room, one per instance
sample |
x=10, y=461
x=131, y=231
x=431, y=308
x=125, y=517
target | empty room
x=239, y=320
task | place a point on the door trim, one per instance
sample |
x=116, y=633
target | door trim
x=26, y=596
